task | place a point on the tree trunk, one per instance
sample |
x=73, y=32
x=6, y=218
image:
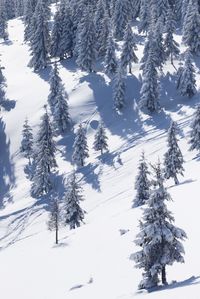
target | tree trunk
x=176, y=180
x=56, y=234
x=164, y=279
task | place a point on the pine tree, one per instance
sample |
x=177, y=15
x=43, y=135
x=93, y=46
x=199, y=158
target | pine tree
x=2, y=86
x=86, y=51
x=142, y=183
x=27, y=141
x=173, y=162
x=19, y=8
x=150, y=87
x=170, y=45
x=80, y=147
x=186, y=78
x=61, y=111
x=191, y=28
x=44, y=159
x=56, y=35
x=3, y=21
x=159, y=239
x=55, y=85
x=29, y=9
x=10, y=9
x=55, y=217
x=73, y=213
x=195, y=131
x=100, y=139
x=110, y=57
x=159, y=51
x=120, y=18
x=40, y=39
x=128, y=55
x=118, y=90
x=144, y=17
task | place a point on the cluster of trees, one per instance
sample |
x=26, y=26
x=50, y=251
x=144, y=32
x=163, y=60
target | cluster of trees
x=158, y=237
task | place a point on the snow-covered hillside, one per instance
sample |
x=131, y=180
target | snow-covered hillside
x=92, y=261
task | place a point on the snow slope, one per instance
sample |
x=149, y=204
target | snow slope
x=92, y=261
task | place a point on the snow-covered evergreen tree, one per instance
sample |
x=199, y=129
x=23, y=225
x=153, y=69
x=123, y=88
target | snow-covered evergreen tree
x=142, y=183
x=19, y=8
x=40, y=39
x=100, y=139
x=120, y=18
x=173, y=161
x=3, y=21
x=29, y=9
x=195, y=131
x=159, y=51
x=150, y=86
x=159, y=239
x=86, y=52
x=2, y=86
x=170, y=45
x=10, y=9
x=27, y=140
x=80, y=147
x=56, y=35
x=73, y=213
x=118, y=90
x=186, y=77
x=191, y=28
x=144, y=17
x=55, y=216
x=55, y=83
x=44, y=159
x=128, y=55
x=110, y=57
x=61, y=111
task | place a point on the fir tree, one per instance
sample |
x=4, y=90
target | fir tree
x=86, y=51
x=27, y=141
x=100, y=141
x=73, y=213
x=40, y=38
x=10, y=9
x=118, y=90
x=128, y=55
x=144, y=17
x=2, y=86
x=55, y=217
x=61, y=111
x=29, y=8
x=186, y=78
x=150, y=87
x=173, y=162
x=159, y=51
x=55, y=85
x=19, y=8
x=170, y=45
x=142, y=183
x=159, y=239
x=120, y=18
x=3, y=21
x=195, y=131
x=56, y=35
x=80, y=147
x=191, y=28
x=110, y=57
x=44, y=159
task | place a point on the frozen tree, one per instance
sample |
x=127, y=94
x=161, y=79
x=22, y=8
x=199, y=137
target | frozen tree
x=186, y=78
x=27, y=141
x=191, y=28
x=128, y=55
x=73, y=213
x=40, y=39
x=195, y=131
x=159, y=51
x=161, y=9
x=144, y=16
x=110, y=57
x=9, y=8
x=3, y=21
x=159, y=239
x=55, y=216
x=100, y=139
x=29, y=8
x=170, y=45
x=118, y=90
x=80, y=147
x=173, y=161
x=142, y=183
x=150, y=87
x=86, y=51
x=56, y=35
x=120, y=18
x=55, y=83
x=44, y=159
x=61, y=111
x=148, y=47
x=2, y=86
x=19, y=8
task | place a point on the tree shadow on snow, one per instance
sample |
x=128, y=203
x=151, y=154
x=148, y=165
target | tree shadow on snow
x=8, y=104
x=91, y=173
x=7, y=176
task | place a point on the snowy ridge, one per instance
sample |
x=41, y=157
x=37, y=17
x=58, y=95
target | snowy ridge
x=93, y=260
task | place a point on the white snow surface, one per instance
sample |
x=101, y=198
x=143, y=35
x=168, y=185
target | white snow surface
x=93, y=261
